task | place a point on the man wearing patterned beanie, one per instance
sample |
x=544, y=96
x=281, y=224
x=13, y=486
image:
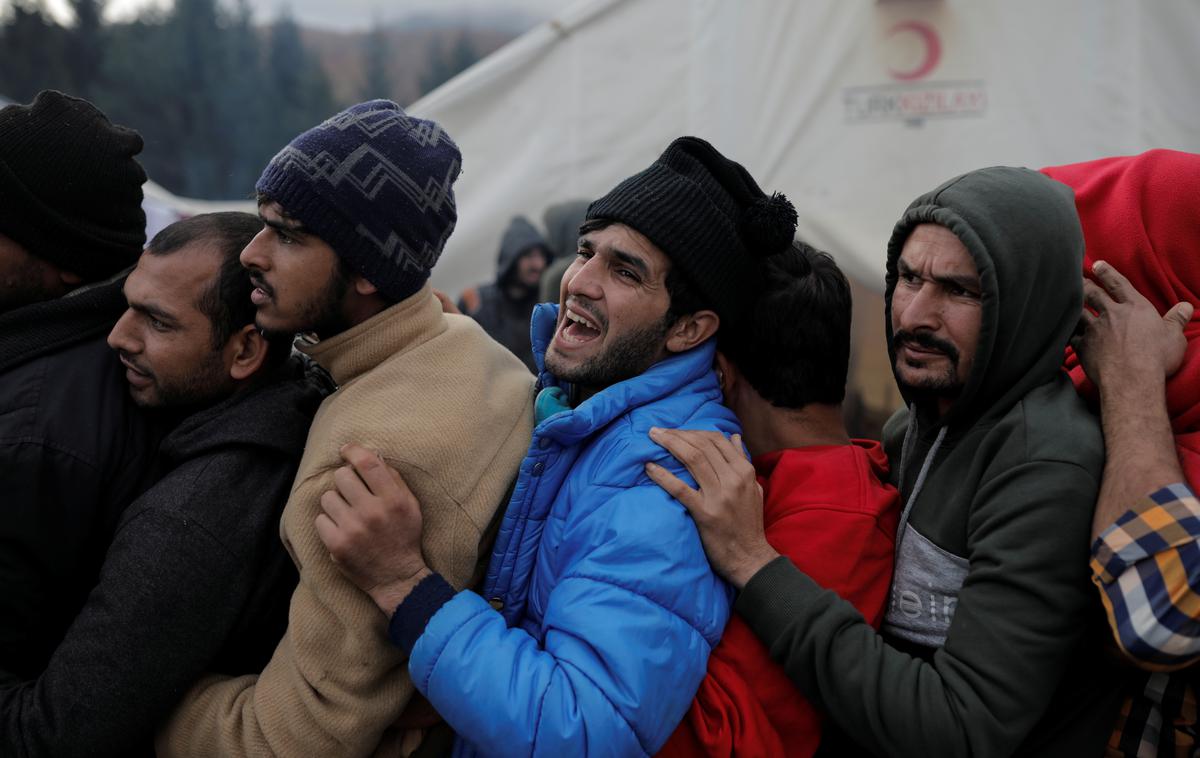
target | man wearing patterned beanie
x=74, y=450
x=599, y=609
x=357, y=211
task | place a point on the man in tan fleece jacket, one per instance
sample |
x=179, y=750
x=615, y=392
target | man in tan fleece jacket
x=357, y=210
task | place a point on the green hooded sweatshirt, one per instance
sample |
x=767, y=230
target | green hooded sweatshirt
x=987, y=648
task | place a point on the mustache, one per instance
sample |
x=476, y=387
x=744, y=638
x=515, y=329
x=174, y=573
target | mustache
x=925, y=340
x=129, y=361
x=581, y=305
x=256, y=279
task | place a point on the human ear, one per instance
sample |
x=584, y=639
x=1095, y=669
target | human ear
x=691, y=330
x=246, y=351
x=362, y=286
x=727, y=374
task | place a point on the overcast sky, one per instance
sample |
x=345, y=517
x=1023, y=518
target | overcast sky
x=347, y=14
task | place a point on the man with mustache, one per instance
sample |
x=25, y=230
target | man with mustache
x=357, y=210
x=194, y=578
x=601, y=609
x=987, y=646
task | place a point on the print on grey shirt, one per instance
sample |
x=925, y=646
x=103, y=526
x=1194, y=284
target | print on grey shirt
x=925, y=589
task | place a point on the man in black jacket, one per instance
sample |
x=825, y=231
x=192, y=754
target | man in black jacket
x=503, y=307
x=74, y=450
x=195, y=578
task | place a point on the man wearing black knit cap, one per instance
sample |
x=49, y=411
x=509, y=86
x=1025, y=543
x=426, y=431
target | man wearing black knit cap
x=73, y=448
x=599, y=608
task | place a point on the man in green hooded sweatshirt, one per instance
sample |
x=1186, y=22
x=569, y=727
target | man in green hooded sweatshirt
x=985, y=648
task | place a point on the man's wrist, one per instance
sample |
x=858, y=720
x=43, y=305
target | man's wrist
x=388, y=596
x=1132, y=383
x=754, y=562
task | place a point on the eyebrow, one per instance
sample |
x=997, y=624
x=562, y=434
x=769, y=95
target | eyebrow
x=284, y=225
x=632, y=260
x=965, y=281
x=154, y=312
x=629, y=259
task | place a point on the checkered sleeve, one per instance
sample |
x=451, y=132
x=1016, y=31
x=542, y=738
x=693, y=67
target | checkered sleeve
x=1147, y=566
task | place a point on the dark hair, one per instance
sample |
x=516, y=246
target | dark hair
x=226, y=301
x=685, y=298
x=794, y=345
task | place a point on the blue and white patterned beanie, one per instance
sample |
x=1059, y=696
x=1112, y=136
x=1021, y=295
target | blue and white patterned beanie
x=376, y=185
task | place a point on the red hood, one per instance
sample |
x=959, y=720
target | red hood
x=1142, y=214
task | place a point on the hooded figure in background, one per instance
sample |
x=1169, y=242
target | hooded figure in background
x=503, y=307
x=562, y=222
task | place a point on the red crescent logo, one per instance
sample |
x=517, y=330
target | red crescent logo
x=933, y=49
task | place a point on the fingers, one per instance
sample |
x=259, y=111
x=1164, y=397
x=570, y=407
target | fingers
x=448, y=305
x=335, y=507
x=685, y=450
x=330, y=535
x=1095, y=297
x=350, y=486
x=1179, y=315
x=674, y=486
x=369, y=466
x=1114, y=283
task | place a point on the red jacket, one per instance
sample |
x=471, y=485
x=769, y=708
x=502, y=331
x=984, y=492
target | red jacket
x=1142, y=214
x=828, y=510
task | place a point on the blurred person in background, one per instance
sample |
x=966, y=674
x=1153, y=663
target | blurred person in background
x=195, y=578
x=562, y=222
x=504, y=306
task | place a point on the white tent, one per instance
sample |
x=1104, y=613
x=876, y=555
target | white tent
x=164, y=208
x=850, y=107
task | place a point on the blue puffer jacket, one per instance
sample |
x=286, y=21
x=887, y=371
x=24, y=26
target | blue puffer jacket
x=610, y=608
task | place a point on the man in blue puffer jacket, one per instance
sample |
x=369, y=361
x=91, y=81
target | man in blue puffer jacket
x=599, y=608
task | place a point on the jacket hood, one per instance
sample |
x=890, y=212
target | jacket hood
x=274, y=416
x=1023, y=234
x=1141, y=213
x=520, y=236
x=562, y=222
x=692, y=367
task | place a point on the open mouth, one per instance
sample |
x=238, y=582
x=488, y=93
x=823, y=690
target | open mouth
x=262, y=292
x=577, y=327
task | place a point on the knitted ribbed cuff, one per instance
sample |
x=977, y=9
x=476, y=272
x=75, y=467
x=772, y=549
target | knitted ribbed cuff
x=413, y=614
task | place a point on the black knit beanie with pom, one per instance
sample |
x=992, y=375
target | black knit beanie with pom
x=708, y=215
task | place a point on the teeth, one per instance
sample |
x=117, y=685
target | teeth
x=579, y=320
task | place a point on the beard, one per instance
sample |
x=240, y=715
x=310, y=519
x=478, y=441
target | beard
x=628, y=356
x=23, y=284
x=203, y=385
x=930, y=389
x=323, y=315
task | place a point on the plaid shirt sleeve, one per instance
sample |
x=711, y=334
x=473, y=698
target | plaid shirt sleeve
x=1147, y=566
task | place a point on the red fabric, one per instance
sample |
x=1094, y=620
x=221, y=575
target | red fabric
x=1142, y=215
x=827, y=509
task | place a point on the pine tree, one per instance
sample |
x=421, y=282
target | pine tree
x=377, y=82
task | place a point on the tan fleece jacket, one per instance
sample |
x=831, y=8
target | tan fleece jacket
x=452, y=410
